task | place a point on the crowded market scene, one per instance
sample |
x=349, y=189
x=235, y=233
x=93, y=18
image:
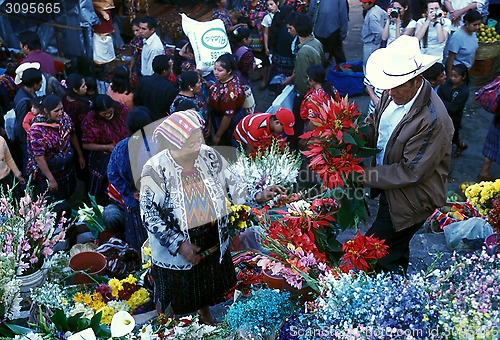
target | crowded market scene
x=249, y=169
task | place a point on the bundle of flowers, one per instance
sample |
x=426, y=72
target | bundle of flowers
x=237, y=218
x=30, y=229
x=259, y=315
x=275, y=165
x=117, y=295
x=336, y=146
x=91, y=216
x=300, y=241
x=10, y=294
x=481, y=195
x=362, y=253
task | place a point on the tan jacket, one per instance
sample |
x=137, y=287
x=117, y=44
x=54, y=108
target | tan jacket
x=416, y=161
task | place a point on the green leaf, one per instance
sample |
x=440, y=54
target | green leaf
x=60, y=321
x=95, y=322
x=82, y=323
x=16, y=329
x=104, y=332
x=364, y=152
x=73, y=322
x=347, y=138
x=352, y=211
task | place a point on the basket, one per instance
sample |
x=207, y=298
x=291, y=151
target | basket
x=487, y=50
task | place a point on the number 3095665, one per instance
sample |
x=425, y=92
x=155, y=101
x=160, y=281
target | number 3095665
x=32, y=8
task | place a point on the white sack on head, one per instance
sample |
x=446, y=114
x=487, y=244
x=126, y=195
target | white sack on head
x=208, y=40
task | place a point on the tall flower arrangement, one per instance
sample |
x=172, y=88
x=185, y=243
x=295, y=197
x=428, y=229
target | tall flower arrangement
x=300, y=240
x=336, y=146
x=29, y=230
x=10, y=296
x=274, y=165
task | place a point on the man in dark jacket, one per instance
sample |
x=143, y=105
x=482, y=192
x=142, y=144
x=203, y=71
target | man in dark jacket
x=412, y=129
x=156, y=92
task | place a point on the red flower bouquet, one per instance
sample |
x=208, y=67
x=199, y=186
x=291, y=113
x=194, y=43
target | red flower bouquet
x=336, y=146
x=362, y=253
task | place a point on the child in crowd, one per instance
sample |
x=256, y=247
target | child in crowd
x=454, y=94
x=36, y=109
x=253, y=128
x=435, y=75
x=243, y=53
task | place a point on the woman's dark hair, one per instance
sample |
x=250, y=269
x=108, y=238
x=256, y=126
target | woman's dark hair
x=278, y=24
x=433, y=72
x=228, y=62
x=30, y=39
x=103, y=102
x=187, y=79
x=472, y=15
x=405, y=20
x=120, y=82
x=183, y=104
x=91, y=83
x=31, y=77
x=316, y=73
x=73, y=82
x=138, y=118
x=240, y=33
x=463, y=71
x=113, y=218
x=50, y=102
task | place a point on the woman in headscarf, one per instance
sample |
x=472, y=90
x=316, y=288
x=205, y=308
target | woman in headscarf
x=183, y=196
x=51, y=145
x=102, y=129
x=121, y=174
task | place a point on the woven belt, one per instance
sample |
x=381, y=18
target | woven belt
x=208, y=252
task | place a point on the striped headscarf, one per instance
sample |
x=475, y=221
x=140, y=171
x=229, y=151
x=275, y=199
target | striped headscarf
x=178, y=127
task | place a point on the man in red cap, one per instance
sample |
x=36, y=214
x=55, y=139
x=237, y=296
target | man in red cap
x=254, y=127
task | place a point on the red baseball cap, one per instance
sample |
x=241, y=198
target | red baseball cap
x=367, y=0
x=287, y=119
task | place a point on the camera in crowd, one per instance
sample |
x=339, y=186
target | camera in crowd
x=394, y=13
x=439, y=13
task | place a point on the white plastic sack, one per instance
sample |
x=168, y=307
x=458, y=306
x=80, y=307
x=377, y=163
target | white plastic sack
x=285, y=99
x=10, y=120
x=463, y=234
x=208, y=40
x=104, y=51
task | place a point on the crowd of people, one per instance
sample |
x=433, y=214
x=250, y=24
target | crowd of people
x=160, y=118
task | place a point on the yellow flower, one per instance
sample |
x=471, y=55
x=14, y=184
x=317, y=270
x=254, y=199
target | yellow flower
x=138, y=299
x=130, y=279
x=87, y=299
x=107, y=314
x=147, y=251
x=116, y=286
x=147, y=264
x=78, y=297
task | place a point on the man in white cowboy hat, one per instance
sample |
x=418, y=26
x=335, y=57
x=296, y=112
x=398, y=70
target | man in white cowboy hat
x=412, y=129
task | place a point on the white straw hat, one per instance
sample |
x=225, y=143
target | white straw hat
x=399, y=62
x=23, y=67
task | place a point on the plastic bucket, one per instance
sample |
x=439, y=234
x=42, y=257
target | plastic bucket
x=90, y=262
